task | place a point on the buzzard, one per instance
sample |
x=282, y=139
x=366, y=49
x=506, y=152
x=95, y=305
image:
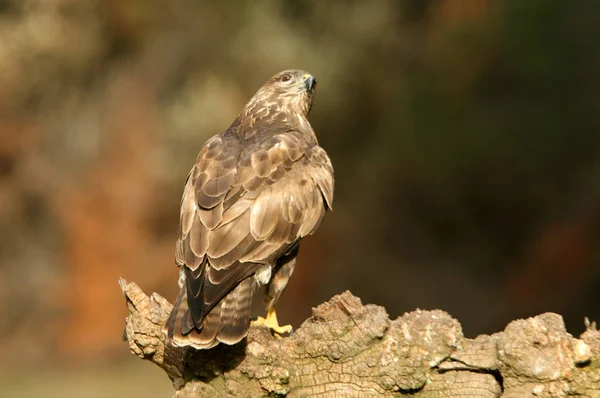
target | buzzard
x=255, y=191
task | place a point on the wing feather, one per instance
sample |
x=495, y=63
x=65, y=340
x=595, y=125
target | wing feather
x=214, y=189
x=262, y=164
x=235, y=210
x=192, y=261
x=263, y=252
x=198, y=237
x=212, y=217
x=323, y=174
x=265, y=213
x=225, y=238
x=282, y=231
x=244, y=205
x=188, y=206
x=254, y=183
x=235, y=254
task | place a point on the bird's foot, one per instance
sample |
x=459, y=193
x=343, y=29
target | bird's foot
x=271, y=322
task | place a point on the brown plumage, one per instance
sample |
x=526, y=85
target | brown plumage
x=256, y=189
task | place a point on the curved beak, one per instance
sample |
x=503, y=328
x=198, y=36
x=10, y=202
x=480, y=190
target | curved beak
x=309, y=81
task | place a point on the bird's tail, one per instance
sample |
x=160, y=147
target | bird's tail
x=227, y=322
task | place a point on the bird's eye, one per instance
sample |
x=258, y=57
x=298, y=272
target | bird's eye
x=286, y=78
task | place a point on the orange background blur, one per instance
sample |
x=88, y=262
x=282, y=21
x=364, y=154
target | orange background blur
x=465, y=136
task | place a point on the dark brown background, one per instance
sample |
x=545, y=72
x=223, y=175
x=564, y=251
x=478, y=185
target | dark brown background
x=465, y=136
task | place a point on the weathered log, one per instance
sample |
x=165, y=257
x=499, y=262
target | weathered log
x=347, y=349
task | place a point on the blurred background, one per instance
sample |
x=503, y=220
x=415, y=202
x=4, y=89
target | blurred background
x=465, y=137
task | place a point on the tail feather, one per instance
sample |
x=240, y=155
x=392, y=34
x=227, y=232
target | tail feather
x=227, y=322
x=207, y=336
x=235, y=313
x=177, y=321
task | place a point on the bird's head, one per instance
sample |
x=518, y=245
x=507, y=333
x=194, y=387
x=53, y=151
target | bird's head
x=291, y=90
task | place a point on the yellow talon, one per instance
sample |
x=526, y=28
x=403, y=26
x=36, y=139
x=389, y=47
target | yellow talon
x=271, y=322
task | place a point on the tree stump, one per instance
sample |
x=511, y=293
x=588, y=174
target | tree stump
x=347, y=349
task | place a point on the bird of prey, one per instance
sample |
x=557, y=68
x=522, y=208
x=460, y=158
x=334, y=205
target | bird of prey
x=255, y=191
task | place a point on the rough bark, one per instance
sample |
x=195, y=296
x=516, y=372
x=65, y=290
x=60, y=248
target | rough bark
x=347, y=349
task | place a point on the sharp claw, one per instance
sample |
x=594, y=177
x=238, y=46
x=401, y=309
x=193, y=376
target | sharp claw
x=271, y=322
x=259, y=321
x=283, y=329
